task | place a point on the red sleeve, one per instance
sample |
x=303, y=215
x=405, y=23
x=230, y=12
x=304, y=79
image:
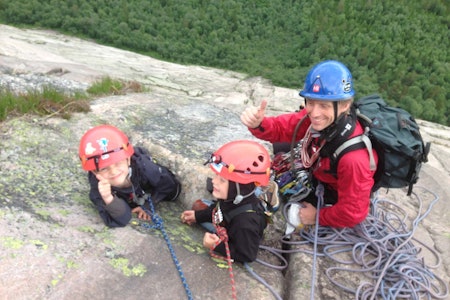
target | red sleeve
x=354, y=184
x=281, y=128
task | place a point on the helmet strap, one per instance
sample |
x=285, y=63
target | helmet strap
x=335, y=107
x=238, y=199
x=130, y=170
x=96, y=161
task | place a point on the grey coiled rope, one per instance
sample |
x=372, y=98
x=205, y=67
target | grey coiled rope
x=383, y=249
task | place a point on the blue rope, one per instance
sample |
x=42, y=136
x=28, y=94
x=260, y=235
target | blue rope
x=159, y=224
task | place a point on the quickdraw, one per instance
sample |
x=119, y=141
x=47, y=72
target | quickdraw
x=291, y=176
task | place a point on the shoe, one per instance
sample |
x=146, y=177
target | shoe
x=199, y=205
x=270, y=196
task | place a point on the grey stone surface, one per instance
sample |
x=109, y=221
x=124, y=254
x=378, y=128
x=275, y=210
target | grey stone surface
x=53, y=245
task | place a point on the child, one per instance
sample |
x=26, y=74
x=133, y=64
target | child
x=122, y=177
x=240, y=167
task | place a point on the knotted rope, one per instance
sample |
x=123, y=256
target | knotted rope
x=223, y=238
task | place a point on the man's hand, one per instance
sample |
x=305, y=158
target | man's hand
x=253, y=116
x=308, y=214
x=104, y=188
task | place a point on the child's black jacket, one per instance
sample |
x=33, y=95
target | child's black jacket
x=147, y=177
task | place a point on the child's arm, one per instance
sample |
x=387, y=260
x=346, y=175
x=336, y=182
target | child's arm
x=116, y=213
x=197, y=216
x=188, y=217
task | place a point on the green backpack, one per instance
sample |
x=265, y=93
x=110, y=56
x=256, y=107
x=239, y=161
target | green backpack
x=395, y=135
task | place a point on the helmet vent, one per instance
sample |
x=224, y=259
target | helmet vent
x=260, y=160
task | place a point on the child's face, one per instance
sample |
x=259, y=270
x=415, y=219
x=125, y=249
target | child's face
x=116, y=174
x=220, y=187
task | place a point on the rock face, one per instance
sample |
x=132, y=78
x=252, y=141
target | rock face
x=53, y=244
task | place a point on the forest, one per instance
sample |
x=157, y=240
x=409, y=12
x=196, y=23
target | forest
x=397, y=48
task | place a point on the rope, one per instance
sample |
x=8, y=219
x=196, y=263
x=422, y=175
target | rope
x=382, y=248
x=223, y=237
x=319, y=194
x=159, y=224
x=276, y=267
x=260, y=279
x=308, y=160
x=277, y=254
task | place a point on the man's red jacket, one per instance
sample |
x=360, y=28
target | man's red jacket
x=354, y=180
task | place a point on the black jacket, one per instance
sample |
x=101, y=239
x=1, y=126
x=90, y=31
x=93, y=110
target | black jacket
x=245, y=230
x=148, y=178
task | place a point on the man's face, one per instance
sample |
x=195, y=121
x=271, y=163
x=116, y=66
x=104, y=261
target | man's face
x=321, y=112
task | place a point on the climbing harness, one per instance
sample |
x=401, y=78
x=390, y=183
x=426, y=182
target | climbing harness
x=159, y=224
x=221, y=232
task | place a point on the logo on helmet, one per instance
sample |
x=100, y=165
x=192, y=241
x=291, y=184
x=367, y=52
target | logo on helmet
x=217, y=167
x=316, y=88
x=103, y=143
x=89, y=150
x=347, y=86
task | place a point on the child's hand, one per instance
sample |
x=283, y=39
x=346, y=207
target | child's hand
x=210, y=240
x=104, y=189
x=188, y=217
x=141, y=214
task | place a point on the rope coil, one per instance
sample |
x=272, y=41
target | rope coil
x=383, y=249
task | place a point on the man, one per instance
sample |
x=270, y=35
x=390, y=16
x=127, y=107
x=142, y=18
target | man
x=327, y=121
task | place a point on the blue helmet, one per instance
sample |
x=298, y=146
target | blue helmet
x=330, y=81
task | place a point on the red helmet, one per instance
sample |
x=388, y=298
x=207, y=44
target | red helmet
x=103, y=146
x=242, y=162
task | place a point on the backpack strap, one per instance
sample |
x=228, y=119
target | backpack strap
x=250, y=207
x=357, y=142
